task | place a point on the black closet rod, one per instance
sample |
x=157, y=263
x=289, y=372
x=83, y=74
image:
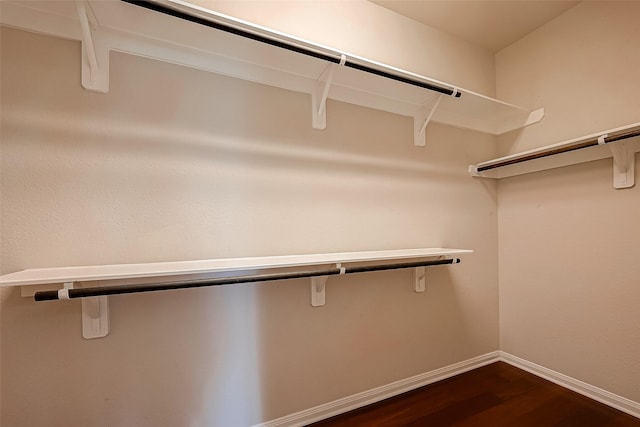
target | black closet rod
x=289, y=46
x=591, y=142
x=131, y=289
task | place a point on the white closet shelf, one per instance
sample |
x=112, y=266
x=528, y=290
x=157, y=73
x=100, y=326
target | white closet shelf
x=190, y=274
x=118, y=26
x=620, y=143
x=41, y=276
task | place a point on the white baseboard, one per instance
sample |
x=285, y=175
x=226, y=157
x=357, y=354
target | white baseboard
x=593, y=392
x=377, y=394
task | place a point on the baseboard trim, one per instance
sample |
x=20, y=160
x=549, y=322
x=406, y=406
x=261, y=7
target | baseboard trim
x=618, y=402
x=377, y=394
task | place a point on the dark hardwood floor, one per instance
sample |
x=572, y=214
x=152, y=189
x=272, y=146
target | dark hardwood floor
x=495, y=395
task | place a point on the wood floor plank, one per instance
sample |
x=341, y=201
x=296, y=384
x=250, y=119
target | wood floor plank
x=495, y=395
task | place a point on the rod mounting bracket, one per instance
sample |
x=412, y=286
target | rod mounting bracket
x=420, y=276
x=318, y=285
x=95, y=55
x=623, y=165
x=419, y=279
x=95, y=317
x=421, y=120
x=320, y=94
x=95, y=313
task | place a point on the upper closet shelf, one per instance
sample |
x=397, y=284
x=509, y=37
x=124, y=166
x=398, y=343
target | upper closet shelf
x=620, y=143
x=182, y=33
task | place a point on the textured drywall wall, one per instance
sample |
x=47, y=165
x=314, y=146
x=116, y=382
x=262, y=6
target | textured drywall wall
x=176, y=164
x=569, y=271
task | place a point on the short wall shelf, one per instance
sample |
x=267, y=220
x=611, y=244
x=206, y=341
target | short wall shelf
x=182, y=33
x=620, y=143
x=94, y=283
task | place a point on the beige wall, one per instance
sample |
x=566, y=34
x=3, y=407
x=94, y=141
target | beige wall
x=175, y=164
x=569, y=271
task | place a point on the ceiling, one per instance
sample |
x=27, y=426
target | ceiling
x=490, y=24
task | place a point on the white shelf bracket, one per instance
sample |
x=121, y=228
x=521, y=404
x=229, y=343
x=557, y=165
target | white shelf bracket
x=421, y=120
x=95, y=56
x=95, y=313
x=95, y=317
x=534, y=117
x=318, y=286
x=320, y=94
x=318, y=290
x=419, y=279
x=623, y=165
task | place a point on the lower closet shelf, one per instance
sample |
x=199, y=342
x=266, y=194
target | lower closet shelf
x=93, y=284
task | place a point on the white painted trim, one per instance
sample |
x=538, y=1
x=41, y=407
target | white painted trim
x=377, y=394
x=618, y=402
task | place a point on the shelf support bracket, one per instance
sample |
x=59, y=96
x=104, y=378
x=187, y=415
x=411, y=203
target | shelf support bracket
x=318, y=286
x=318, y=290
x=95, y=317
x=419, y=279
x=95, y=56
x=623, y=165
x=320, y=94
x=421, y=120
x=95, y=313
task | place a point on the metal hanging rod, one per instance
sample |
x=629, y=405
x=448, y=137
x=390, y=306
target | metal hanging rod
x=590, y=142
x=335, y=57
x=130, y=289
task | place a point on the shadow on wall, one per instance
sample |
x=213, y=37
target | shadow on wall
x=96, y=135
x=185, y=358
